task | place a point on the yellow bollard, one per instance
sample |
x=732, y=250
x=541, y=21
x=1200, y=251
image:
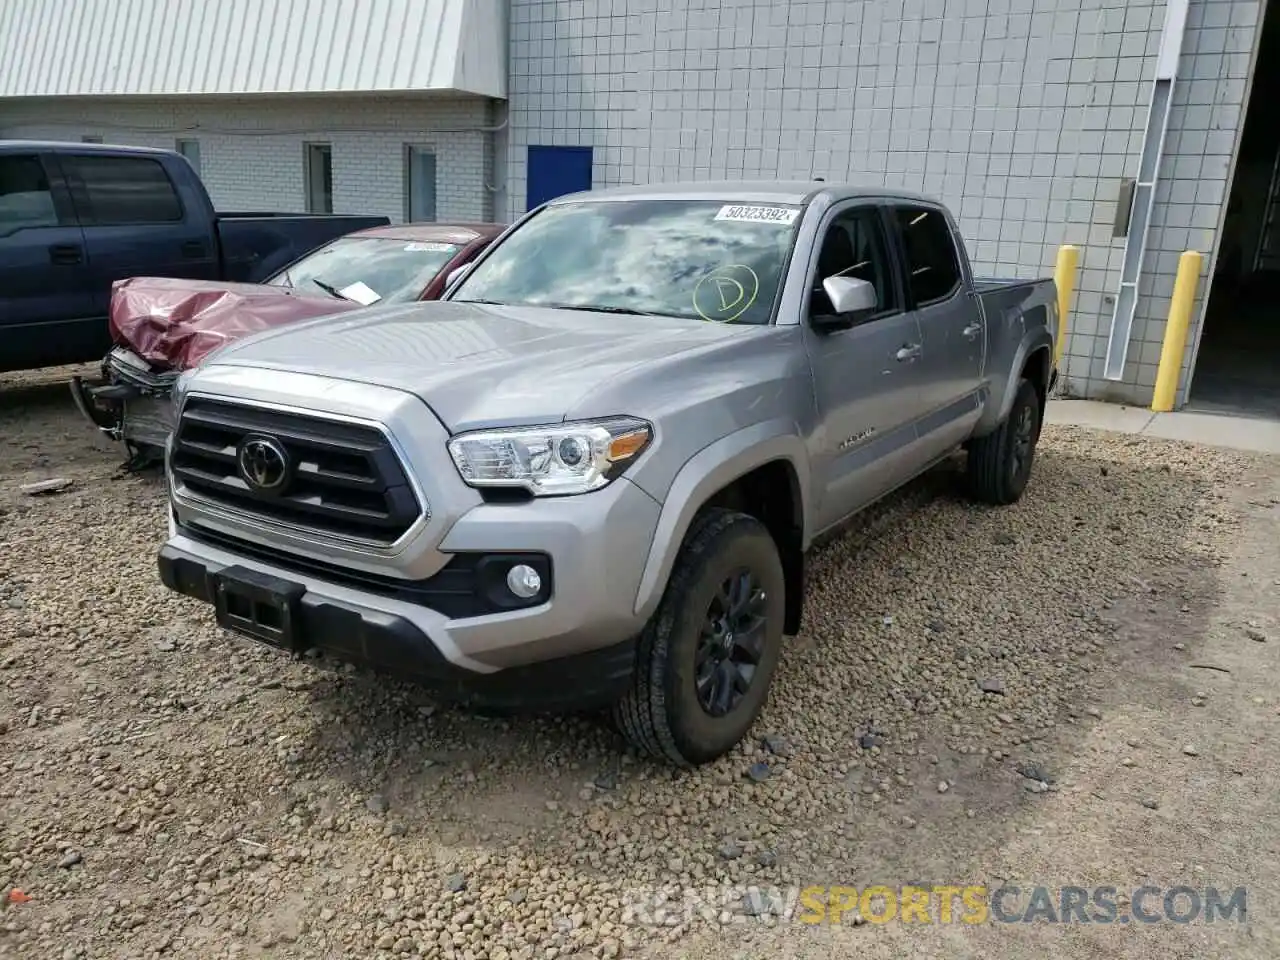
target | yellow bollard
x=1175, y=332
x=1064, y=278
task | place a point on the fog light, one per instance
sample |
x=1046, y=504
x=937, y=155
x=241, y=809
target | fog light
x=524, y=581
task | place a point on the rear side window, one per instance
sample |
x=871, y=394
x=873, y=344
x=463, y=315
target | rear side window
x=124, y=190
x=25, y=198
x=932, y=267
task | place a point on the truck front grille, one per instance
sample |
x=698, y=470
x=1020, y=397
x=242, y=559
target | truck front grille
x=338, y=478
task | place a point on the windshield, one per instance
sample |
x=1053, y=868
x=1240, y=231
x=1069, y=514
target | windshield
x=368, y=269
x=698, y=259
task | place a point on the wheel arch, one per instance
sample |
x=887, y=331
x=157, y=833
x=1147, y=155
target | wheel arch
x=761, y=470
x=1033, y=359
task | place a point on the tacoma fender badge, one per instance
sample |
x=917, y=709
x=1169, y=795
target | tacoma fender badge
x=857, y=438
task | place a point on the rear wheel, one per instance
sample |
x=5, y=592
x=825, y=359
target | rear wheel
x=706, y=658
x=1000, y=463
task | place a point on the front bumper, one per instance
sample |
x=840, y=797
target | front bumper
x=595, y=547
x=131, y=403
x=398, y=642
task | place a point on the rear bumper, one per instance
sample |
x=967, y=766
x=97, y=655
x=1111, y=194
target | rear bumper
x=343, y=626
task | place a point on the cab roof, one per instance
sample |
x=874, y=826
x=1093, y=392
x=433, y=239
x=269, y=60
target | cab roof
x=433, y=232
x=745, y=191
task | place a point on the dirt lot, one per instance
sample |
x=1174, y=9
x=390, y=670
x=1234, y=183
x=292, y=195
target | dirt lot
x=1078, y=691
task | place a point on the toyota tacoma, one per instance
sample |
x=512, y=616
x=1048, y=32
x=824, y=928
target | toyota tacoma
x=589, y=475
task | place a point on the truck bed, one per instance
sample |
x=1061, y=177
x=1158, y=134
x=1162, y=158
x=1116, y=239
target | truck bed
x=985, y=285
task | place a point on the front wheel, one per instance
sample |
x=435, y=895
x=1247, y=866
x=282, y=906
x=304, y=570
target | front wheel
x=706, y=658
x=1000, y=463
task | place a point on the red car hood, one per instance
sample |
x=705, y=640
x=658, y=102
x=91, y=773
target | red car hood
x=173, y=324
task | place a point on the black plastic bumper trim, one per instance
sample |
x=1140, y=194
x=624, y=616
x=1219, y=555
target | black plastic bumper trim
x=471, y=584
x=390, y=644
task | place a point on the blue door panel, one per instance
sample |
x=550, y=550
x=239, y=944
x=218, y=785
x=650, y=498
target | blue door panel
x=555, y=171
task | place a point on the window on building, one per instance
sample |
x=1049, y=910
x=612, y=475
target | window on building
x=123, y=190
x=419, y=184
x=90, y=139
x=319, y=173
x=25, y=198
x=190, y=149
x=931, y=253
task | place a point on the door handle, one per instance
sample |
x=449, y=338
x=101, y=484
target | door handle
x=193, y=249
x=66, y=253
x=972, y=330
x=910, y=352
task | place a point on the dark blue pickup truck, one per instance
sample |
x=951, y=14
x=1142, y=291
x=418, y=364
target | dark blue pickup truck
x=75, y=217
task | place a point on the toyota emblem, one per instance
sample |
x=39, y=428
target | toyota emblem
x=264, y=464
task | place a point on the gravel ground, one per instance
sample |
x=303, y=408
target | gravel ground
x=170, y=790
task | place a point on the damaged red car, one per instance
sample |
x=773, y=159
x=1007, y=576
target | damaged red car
x=161, y=327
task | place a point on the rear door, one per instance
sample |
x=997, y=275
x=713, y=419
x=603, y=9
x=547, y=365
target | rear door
x=44, y=294
x=135, y=223
x=939, y=292
x=867, y=376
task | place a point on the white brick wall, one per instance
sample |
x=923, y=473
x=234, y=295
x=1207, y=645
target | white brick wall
x=251, y=150
x=1025, y=116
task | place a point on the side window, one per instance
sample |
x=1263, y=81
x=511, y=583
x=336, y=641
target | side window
x=932, y=268
x=125, y=190
x=25, y=198
x=855, y=246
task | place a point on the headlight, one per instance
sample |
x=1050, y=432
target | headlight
x=554, y=460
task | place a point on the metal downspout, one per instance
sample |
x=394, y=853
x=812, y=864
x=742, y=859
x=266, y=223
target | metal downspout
x=1135, y=248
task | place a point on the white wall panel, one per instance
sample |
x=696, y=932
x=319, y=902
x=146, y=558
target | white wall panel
x=252, y=148
x=194, y=47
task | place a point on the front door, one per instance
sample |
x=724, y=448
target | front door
x=45, y=301
x=867, y=376
x=950, y=323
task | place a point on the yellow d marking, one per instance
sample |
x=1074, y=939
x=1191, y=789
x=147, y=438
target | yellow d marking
x=727, y=287
x=726, y=293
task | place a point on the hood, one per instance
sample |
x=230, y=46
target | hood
x=477, y=365
x=173, y=324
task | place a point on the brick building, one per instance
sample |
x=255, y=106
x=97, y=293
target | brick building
x=1117, y=126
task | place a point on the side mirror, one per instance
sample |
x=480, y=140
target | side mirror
x=850, y=295
x=456, y=274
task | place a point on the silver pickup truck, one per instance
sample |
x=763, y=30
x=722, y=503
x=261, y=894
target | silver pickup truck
x=589, y=476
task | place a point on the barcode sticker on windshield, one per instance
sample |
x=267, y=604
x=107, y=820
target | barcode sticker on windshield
x=745, y=214
x=428, y=247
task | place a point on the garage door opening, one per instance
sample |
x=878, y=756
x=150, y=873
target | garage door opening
x=1237, y=368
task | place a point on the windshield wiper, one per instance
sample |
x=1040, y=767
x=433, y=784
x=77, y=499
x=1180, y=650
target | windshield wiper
x=332, y=291
x=585, y=308
x=626, y=311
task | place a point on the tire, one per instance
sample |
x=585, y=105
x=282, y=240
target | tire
x=661, y=713
x=1000, y=463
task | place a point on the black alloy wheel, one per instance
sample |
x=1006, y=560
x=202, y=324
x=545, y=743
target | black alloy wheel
x=731, y=643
